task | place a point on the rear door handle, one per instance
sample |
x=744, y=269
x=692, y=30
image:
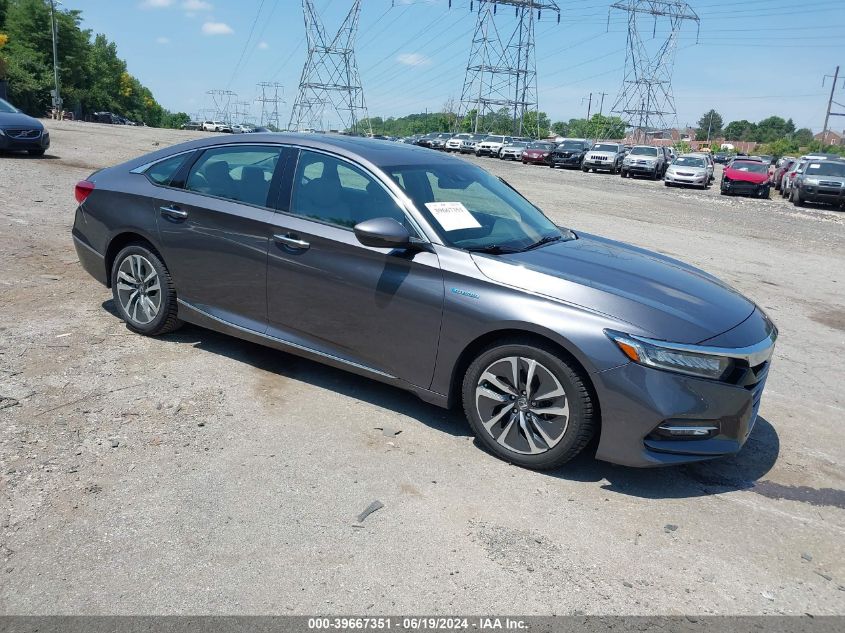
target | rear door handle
x=173, y=212
x=292, y=241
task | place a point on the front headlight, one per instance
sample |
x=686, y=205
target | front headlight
x=811, y=181
x=2, y=133
x=627, y=161
x=666, y=358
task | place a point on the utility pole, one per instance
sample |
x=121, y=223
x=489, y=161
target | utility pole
x=601, y=105
x=54, y=27
x=709, y=126
x=589, y=105
x=830, y=103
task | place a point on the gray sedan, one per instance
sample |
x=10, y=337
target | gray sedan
x=424, y=271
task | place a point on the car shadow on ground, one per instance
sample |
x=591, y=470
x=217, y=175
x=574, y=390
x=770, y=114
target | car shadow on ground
x=737, y=472
x=25, y=156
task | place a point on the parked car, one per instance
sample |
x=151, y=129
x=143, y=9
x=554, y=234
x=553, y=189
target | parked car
x=470, y=145
x=513, y=151
x=438, y=141
x=688, y=170
x=570, y=153
x=789, y=177
x=720, y=158
x=645, y=160
x=746, y=177
x=781, y=167
x=708, y=159
x=604, y=156
x=107, y=117
x=491, y=145
x=242, y=128
x=537, y=153
x=216, y=126
x=821, y=181
x=191, y=125
x=454, y=143
x=20, y=132
x=479, y=300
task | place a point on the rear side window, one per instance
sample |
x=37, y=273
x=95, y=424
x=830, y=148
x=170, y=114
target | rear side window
x=240, y=173
x=162, y=172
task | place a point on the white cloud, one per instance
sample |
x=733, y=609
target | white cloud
x=263, y=46
x=216, y=28
x=413, y=59
x=156, y=4
x=162, y=40
x=196, y=5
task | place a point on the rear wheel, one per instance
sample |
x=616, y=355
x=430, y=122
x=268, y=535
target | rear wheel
x=796, y=198
x=527, y=405
x=143, y=291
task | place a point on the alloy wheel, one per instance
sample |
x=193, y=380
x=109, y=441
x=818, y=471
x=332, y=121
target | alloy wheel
x=139, y=289
x=522, y=405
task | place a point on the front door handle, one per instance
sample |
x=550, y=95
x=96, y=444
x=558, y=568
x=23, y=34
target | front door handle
x=292, y=241
x=174, y=212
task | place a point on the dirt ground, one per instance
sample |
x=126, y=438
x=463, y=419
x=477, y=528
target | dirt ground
x=196, y=473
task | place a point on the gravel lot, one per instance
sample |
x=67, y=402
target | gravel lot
x=200, y=474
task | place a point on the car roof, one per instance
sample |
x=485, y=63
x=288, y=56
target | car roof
x=372, y=151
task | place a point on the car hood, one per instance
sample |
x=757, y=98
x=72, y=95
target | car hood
x=668, y=299
x=18, y=119
x=695, y=170
x=746, y=176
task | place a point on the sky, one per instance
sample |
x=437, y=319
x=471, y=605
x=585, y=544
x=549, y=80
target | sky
x=749, y=60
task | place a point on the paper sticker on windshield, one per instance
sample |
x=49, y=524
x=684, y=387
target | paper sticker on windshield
x=815, y=166
x=452, y=216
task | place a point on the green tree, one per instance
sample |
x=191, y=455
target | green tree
x=740, y=131
x=773, y=128
x=709, y=126
x=803, y=137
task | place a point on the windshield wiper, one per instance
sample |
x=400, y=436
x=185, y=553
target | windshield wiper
x=546, y=240
x=493, y=249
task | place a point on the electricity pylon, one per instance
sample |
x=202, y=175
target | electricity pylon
x=502, y=68
x=330, y=79
x=270, y=96
x=222, y=100
x=646, y=102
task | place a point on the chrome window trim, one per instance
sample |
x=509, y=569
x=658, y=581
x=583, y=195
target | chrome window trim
x=140, y=169
x=754, y=354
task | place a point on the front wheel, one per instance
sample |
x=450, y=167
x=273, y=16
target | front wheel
x=143, y=291
x=37, y=152
x=527, y=405
x=796, y=198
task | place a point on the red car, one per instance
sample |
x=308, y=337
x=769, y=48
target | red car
x=537, y=153
x=746, y=177
x=782, y=166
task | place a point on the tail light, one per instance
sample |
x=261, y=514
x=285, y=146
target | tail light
x=83, y=190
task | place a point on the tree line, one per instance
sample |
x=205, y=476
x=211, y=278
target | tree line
x=92, y=76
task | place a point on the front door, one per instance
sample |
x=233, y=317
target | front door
x=375, y=307
x=214, y=232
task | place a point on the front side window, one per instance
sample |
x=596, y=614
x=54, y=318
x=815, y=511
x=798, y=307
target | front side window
x=240, y=173
x=336, y=192
x=472, y=209
x=162, y=172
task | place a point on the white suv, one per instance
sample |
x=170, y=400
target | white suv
x=215, y=126
x=454, y=143
x=491, y=145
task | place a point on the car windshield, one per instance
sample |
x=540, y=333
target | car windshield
x=473, y=209
x=644, y=151
x=518, y=144
x=478, y=137
x=689, y=161
x=753, y=167
x=605, y=147
x=571, y=145
x=826, y=168
x=495, y=139
x=7, y=108
x=540, y=146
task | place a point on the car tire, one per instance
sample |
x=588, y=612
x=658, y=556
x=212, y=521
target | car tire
x=667, y=183
x=655, y=175
x=796, y=198
x=36, y=152
x=136, y=267
x=765, y=193
x=558, y=435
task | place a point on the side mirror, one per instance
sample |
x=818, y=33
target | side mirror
x=382, y=233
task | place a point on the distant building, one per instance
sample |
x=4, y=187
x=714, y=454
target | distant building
x=832, y=138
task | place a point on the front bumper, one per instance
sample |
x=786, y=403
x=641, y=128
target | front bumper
x=642, y=170
x=539, y=160
x=636, y=400
x=510, y=156
x=565, y=161
x=600, y=164
x=744, y=188
x=11, y=143
x=680, y=179
x=827, y=195
x=487, y=151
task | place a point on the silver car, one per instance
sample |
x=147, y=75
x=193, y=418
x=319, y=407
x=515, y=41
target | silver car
x=513, y=151
x=688, y=170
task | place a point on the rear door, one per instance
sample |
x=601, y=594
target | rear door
x=374, y=307
x=214, y=226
